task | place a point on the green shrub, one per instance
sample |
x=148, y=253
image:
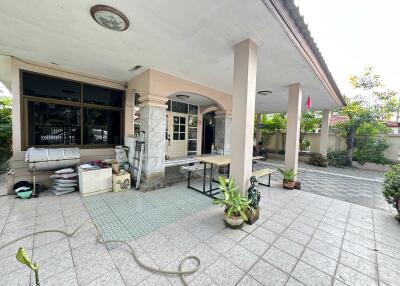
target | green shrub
x=372, y=150
x=281, y=152
x=391, y=187
x=319, y=160
x=234, y=203
x=288, y=175
x=337, y=158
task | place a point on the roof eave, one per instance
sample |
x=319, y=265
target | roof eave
x=288, y=15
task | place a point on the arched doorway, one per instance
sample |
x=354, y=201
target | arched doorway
x=208, y=138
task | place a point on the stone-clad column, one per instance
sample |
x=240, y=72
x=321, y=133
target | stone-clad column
x=293, y=127
x=223, y=124
x=129, y=111
x=243, y=104
x=152, y=122
x=324, y=140
x=258, y=129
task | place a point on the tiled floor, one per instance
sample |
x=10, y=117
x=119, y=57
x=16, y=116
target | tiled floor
x=129, y=215
x=347, y=184
x=300, y=239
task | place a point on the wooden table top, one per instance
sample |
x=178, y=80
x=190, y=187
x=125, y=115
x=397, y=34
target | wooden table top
x=220, y=160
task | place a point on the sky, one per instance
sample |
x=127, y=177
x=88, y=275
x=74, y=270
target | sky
x=3, y=90
x=353, y=34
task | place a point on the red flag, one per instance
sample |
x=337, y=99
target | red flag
x=308, y=103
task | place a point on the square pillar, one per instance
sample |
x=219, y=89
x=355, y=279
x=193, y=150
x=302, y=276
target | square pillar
x=258, y=129
x=324, y=140
x=293, y=127
x=223, y=124
x=243, y=104
x=129, y=112
x=152, y=122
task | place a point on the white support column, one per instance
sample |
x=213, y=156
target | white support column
x=258, y=129
x=293, y=127
x=324, y=140
x=244, y=95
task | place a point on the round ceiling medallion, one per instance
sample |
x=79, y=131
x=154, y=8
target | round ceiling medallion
x=109, y=17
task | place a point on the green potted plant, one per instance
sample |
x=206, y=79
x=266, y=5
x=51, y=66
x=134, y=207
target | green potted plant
x=288, y=178
x=235, y=205
x=391, y=187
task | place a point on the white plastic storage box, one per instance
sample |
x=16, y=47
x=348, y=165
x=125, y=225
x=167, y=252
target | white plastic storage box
x=93, y=182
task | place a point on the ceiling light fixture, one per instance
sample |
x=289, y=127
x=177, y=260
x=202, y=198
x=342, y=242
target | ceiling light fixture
x=264, y=92
x=109, y=17
x=135, y=68
x=182, y=96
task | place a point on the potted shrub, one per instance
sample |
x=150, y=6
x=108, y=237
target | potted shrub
x=318, y=159
x=288, y=178
x=391, y=187
x=235, y=205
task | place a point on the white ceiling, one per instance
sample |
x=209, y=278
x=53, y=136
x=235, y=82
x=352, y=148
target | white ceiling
x=189, y=39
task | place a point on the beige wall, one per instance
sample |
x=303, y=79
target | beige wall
x=161, y=84
x=21, y=171
x=337, y=143
x=156, y=83
x=314, y=139
x=392, y=152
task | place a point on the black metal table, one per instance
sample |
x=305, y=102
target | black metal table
x=220, y=160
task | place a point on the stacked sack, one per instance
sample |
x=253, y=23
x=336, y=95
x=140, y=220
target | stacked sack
x=64, y=181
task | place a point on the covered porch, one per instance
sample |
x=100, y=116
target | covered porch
x=190, y=76
x=176, y=80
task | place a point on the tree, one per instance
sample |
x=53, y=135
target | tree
x=5, y=128
x=309, y=122
x=275, y=124
x=369, y=110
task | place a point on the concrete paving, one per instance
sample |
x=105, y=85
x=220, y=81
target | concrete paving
x=300, y=239
x=348, y=184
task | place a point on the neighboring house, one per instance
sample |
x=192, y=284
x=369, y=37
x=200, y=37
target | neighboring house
x=189, y=74
x=336, y=119
x=394, y=126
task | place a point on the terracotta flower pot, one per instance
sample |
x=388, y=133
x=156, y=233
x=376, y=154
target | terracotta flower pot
x=289, y=184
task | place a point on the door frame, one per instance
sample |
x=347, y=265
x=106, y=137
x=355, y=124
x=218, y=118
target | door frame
x=173, y=143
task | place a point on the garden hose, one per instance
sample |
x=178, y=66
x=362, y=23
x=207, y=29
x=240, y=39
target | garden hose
x=180, y=272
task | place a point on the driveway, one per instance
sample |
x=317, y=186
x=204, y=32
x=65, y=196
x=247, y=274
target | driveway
x=347, y=184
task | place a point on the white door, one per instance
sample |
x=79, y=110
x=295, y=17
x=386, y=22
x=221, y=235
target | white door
x=167, y=137
x=177, y=134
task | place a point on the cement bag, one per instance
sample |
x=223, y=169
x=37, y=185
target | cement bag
x=52, y=158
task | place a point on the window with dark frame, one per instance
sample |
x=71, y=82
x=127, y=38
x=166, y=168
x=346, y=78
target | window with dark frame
x=192, y=128
x=60, y=112
x=136, y=119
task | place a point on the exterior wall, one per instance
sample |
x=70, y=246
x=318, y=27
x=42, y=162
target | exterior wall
x=161, y=84
x=156, y=83
x=337, y=143
x=21, y=171
x=392, y=152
